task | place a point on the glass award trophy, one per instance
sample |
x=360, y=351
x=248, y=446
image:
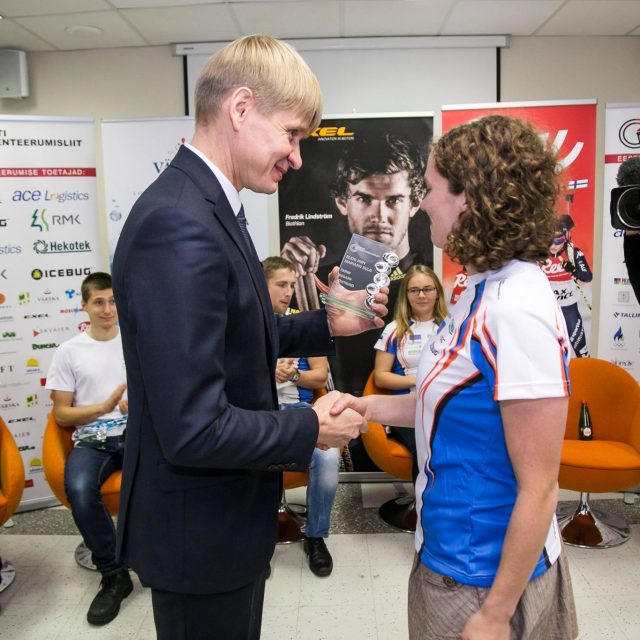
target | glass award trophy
x=365, y=268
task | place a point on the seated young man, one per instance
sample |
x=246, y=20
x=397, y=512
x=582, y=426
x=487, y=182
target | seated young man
x=87, y=379
x=296, y=378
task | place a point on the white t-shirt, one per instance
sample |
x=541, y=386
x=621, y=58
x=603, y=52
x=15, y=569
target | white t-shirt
x=90, y=369
x=407, y=354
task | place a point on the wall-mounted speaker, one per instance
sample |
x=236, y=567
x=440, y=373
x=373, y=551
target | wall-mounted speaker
x=14, y=79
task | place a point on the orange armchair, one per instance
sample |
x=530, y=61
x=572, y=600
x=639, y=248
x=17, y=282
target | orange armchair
x=288, y=525
x=11, y=488
x=394, y=458
x=56, y=446
x=609, y=462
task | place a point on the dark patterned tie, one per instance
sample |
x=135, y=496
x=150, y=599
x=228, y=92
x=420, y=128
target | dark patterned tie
x=242, y=221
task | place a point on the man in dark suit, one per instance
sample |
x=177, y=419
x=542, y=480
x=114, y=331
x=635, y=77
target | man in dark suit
x=205, y=442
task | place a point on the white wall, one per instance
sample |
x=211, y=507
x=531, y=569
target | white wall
x=148, y=81
x=102, y=83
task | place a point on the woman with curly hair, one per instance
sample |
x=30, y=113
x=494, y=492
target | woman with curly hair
x=418, y=311
x=491, y=399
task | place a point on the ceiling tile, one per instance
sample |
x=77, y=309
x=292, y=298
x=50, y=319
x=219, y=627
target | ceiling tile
x=195, y=23
x=115, y=31
x=594, y=18
x=392, y=18
x=302, y=19
x=483, y=17
x=13, y=36
x=136, y=4
x=12, y=8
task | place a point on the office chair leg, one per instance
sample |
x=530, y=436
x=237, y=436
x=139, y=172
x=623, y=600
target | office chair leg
x=400, y=513
x=7, y=574
x=591, y=528
x=82, y=555
x=288, y=524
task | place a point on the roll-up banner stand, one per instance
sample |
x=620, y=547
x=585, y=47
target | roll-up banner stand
x=136, y=151
x=316, y=214
x=48, y=244
x=619, y=328
x=570, y=126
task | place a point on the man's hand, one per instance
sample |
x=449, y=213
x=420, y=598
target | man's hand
x=110, y=403
x=304, y=254
x=123, y=406
x=347, y=323
x=284, y=370
x=336, y=428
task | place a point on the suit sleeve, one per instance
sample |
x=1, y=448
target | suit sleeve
x=197, y=334
x=305, y=334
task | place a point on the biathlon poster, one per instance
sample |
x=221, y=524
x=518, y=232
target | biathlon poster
x=48, y=244
x=570, y=126
x=360, y=174
x=618, y=337
x=136, y=152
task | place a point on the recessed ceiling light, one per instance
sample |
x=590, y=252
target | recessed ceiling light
x=83, y=30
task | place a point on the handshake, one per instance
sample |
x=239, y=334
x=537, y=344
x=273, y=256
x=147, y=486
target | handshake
x=341, y=417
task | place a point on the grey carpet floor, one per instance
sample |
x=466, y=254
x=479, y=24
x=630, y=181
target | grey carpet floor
x=348, y=516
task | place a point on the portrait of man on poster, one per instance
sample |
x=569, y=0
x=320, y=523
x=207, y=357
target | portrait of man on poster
x=376, y=186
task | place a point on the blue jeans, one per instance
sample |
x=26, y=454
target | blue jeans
x=322, y=487
x=85, y=471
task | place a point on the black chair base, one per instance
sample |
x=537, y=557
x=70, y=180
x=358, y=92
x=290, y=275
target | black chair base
x=400, y=513
x=7, y=574
x=591, y=528
x=289, y=529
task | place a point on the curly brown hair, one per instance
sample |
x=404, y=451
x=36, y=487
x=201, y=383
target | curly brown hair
x=510, y=179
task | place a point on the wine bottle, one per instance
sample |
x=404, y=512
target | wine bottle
x=585, y=430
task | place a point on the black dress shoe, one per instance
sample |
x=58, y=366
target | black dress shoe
x=320, y=561
x=113, y=590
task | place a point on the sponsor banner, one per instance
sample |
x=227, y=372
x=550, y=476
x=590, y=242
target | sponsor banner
x=571, y=128
x=360, y=174
x=136, y=152
x=47, y=172
x=48, y=243
x=619, y=327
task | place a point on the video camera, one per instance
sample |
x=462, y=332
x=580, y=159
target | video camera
x=625, y=198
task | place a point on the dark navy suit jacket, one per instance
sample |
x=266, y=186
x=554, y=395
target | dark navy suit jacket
x=205, y=444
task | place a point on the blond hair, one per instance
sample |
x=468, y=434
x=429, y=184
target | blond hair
x=274, y=71
x=402, y=310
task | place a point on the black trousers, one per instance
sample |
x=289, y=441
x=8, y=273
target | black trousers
x=407, y=437
x=232, y=615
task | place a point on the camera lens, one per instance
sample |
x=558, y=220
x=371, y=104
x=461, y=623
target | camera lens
x=628, y=208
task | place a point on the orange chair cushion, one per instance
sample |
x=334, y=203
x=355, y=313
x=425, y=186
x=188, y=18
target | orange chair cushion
x=387, y=453
x=397, y=450
x=11, y=474
x=4, y=503
x=295, y=479
x=56, y=446
x=598, y=466
x=600, y=454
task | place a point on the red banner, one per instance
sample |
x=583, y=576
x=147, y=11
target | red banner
x=571, y=129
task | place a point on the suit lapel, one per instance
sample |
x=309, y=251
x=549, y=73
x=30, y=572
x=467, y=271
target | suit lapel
x=188, y=162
